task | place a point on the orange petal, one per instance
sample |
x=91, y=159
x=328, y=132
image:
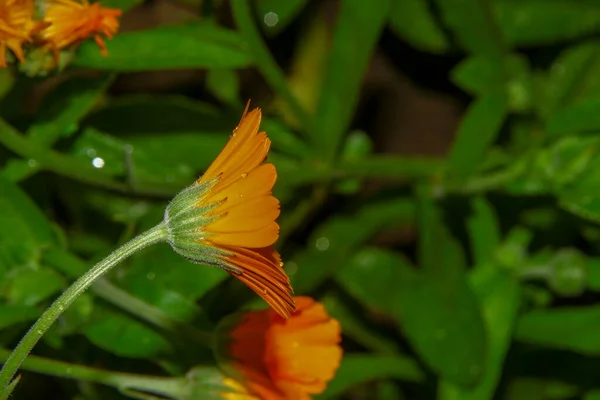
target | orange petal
x=247, y=128
x=250, y=216
x=258, y=183
x=259, y=238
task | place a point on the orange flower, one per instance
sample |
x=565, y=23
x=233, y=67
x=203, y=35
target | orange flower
x=227, y=218
x=16, y=27
x=286, y=359
x=69, y=21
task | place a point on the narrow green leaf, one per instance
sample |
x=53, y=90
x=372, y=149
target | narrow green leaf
x=569, y=328
x=332, y=243
x=415, y=23
x=356, y=369
x=357, y=30
x=477, y=132
x=198, y=45
x=284, y=13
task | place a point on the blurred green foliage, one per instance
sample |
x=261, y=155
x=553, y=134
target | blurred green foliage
x=494, y=293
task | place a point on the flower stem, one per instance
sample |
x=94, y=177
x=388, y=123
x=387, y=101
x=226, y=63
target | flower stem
x=122, y=381
x=35, y=333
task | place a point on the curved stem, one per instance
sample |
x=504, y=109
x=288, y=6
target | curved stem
x=35, y=333
x=122, y=381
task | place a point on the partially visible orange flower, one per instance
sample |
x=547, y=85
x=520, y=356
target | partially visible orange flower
x=70, y=21
x=16, y=27
x=286, y=359
x=228, y=217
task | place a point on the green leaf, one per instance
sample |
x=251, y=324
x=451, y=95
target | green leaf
x=569, y=328
x=579, y=117
x=160, y=264
x=332, y=243
x=437, y=308
x=573, y=76
x=358, y=28
x=474, y=25
x=371, y=274
x=355, y=328
x=118, y=333
x=443, y=324
x=285, y=12
x=12, y=314
x=224, y=84
x=485, y=74
x=499, y=297
x=477, y=132
x=538, y=22
x=65, y=106
x=29, y=286
x=172, y=129
x=29, y=231
x=484, y=230
x=198, y=45
x=414, y=22
x=356, y=369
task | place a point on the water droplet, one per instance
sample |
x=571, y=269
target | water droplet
x=150, y=276
x=245, y=175
x=281, y=264
x=322, y=243
x=32, y=163
x=98, y=162
x=61, y=308
x=271, y=18
x=91, y=152
x=39, y=331
x=265, y=291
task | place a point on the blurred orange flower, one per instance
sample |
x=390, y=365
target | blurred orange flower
x=69, y=21
x=16, y=27
x=286, y=359
x=227, y=218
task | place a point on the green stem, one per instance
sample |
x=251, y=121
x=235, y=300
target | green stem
x=66, y=166
x=157, y=234
x=264, y=61
x=125, y=382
